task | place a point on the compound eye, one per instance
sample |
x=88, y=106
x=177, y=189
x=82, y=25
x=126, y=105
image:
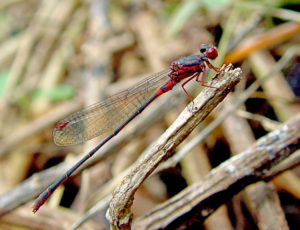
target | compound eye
x=212, y=53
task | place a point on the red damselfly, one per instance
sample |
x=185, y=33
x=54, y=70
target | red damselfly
x=109, y=117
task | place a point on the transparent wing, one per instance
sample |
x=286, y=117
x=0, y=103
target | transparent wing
x=104, y=117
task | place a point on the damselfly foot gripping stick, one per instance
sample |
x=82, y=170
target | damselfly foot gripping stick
x=109, y=117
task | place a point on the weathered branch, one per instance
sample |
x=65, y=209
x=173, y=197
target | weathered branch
x=119, y=212
x=248, y=167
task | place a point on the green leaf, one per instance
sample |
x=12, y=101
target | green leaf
x=59, y=93
x=211, y=5
x=3, y=80
x=186, y=9
x=182, y=13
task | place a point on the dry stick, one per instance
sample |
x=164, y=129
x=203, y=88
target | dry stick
x=95, y=209
x=286, y=58
x=290, y=53
x=56, y=219
x=264, y=205
x=195, y=166
x=151, y=46
x=267, y=123
x=288, y=163
x=267, y=39
x=260, y=196
x=261, y=62
x=119, y=212
x=9, y=48
x=226, y=180
x=285, y=14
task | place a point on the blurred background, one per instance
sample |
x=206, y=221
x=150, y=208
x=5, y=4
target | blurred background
x=57, y=57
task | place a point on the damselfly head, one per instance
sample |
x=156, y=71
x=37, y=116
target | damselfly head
x=212, y=53
x=208, y=51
